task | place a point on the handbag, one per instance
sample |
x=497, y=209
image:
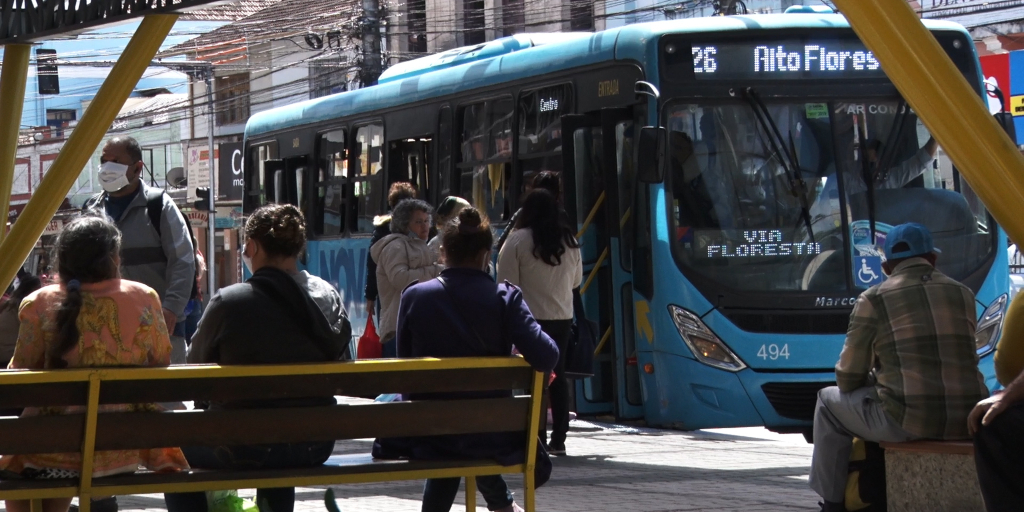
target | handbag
x=369, y=343
x=579, y=354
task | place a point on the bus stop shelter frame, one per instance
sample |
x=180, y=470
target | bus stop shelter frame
x=911, y=57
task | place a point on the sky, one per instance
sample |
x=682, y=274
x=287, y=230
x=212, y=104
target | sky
x=78, y=83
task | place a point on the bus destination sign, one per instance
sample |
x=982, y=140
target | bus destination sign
x=786, y=59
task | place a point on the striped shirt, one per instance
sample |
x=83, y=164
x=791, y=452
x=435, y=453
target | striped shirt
x=912, y=337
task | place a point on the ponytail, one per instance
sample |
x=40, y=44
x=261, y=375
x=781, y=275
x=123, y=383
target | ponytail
x=86, y=251
x=67, y=326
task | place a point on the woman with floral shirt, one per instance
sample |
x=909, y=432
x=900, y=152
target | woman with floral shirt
x=91, y=318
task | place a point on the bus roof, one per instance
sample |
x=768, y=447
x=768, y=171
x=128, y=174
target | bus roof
x=518, y=57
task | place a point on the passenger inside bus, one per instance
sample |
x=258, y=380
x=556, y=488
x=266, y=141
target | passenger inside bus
x=897, y=176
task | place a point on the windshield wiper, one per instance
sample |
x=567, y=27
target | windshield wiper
x=787, y=155
x=883, y=161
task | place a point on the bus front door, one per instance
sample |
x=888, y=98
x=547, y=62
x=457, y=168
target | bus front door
x=597, y=161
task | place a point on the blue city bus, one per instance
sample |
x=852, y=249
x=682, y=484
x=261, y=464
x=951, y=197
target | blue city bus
x=732, y=202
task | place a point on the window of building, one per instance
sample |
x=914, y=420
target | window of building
x=232, y=98
x=486, y=147
x=416, y=11
x=473, y=22
x=60, y=119
x=581, y=15
x=513, y=17
x=328, y=75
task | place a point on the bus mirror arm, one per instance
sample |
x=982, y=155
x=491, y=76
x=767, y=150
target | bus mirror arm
x=646, y=89
x=650, y=154
x=1005, y=120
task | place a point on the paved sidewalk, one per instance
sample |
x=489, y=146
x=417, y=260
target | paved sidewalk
x=612, y=468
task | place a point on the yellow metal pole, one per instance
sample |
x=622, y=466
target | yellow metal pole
x=83, y=141
x=13, y=78
x=950, y=108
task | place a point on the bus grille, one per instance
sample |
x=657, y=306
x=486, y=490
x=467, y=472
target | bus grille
x=789, y=322
x=794, y=400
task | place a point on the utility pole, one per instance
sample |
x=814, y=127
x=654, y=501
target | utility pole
x=372, y=66
x=211, y=230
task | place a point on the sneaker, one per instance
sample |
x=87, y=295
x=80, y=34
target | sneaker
x=556, y=448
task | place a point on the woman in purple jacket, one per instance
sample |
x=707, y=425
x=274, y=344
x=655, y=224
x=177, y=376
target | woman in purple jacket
x=464, y=313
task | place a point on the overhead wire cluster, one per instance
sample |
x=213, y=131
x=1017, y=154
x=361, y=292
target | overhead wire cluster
x=341, y=55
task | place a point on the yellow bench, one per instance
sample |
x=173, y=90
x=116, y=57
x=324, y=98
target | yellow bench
x=92, y=387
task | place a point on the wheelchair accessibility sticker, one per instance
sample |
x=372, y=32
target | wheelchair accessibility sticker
x=869, y=270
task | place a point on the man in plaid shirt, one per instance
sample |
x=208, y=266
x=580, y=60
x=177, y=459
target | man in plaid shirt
x=908, y=370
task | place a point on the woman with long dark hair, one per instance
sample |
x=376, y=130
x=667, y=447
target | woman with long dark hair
x=464, y=313
x=91, y=318
x=543, y=258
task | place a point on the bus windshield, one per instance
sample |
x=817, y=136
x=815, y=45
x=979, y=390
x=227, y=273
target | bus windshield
x=806, y=206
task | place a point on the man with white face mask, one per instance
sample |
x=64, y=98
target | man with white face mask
x=160, y=256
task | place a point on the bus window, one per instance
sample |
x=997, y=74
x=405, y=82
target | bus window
x=408, y=160
x=540, y=129
x=333, y=173
x=588, y=145
x=486, y=142
x=260, y=154
x=444, y=153
x=368, y=182
x=624, y=132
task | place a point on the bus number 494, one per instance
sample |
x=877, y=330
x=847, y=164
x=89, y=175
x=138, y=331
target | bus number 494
x=773, y=352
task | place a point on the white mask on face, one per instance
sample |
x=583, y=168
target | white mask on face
x=113, y=176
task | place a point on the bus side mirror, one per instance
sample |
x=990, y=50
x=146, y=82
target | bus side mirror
x=1005, y=119
x=650, y=152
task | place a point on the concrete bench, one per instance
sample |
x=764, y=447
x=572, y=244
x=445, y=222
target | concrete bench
x=932, y=476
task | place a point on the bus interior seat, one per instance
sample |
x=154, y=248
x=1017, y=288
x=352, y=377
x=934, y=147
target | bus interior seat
x=945, y=212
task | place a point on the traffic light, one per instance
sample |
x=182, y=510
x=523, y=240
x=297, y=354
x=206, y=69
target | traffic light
x=203, y=199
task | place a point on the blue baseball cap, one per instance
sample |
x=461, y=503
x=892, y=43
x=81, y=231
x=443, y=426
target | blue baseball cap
x=917, y=238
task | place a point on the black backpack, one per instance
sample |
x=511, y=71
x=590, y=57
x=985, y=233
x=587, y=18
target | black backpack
x=155, y=210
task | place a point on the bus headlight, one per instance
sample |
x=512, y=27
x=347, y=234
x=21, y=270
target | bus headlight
x=990, y=325
x=705, y=344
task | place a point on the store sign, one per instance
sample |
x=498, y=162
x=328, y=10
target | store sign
x=928, y=5
x=197, y=165
x=197, y=218
x=231, y=183
x=54, y=227
x=996, y=69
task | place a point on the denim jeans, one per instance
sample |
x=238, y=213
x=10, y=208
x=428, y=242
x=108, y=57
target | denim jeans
x=439, y=493
x=276, y=456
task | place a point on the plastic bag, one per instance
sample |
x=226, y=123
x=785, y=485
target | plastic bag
x=228, y=501
x=369, y=343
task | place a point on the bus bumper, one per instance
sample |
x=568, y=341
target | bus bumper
x=691, y=395
x=785, y=400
